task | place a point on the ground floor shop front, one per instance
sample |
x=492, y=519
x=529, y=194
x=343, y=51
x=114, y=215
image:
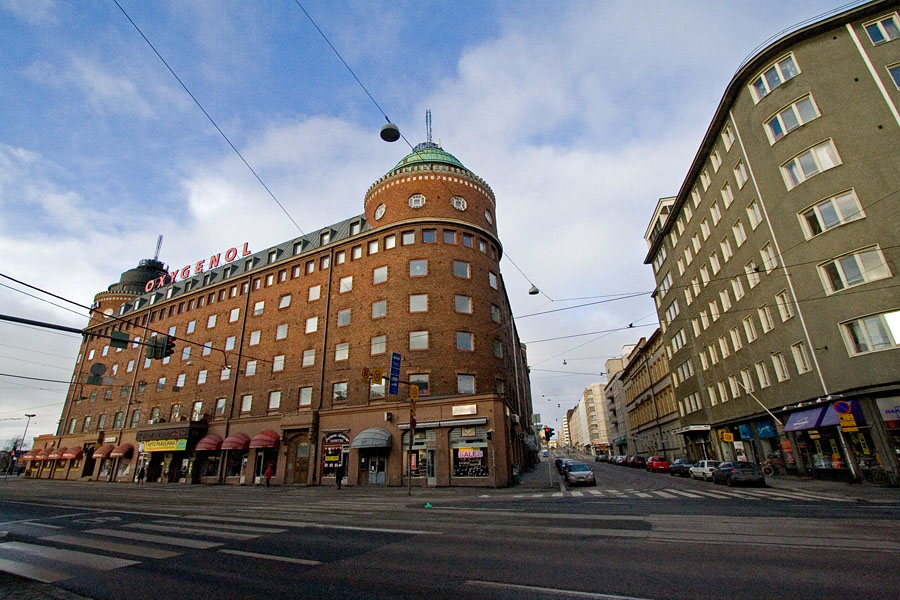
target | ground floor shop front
x=472, y=443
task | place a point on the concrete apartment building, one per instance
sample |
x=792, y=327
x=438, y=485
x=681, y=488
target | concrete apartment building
x=588, y=425
x=777, y=261
x=616, y=415
x=272, y=348
x=653, y=415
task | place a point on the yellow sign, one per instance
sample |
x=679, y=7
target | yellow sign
x=727, y=437
x=848, y=422
x=378, y=374
x=414, y=392
x=165, y=445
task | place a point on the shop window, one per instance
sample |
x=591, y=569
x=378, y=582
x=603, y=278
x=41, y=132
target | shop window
x=469, y=452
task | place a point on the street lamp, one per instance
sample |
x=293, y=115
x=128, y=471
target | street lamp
x=28, y=422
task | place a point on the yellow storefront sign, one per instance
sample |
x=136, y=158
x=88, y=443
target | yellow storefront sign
x=165, y=445
x=848, y=422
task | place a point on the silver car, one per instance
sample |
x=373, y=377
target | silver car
x=579, y=473
x=703, y=469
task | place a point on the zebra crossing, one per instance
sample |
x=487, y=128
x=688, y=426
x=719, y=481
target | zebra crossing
x=57, y=556
x=693, y=494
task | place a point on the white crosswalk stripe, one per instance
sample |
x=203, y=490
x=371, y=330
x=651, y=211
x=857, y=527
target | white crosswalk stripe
x=71, y=557
x=694, y=494
x=158, y=539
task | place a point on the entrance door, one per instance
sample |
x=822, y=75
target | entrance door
x=301, y=461
x=259, y=468
x=430, y=478
x=376, y=469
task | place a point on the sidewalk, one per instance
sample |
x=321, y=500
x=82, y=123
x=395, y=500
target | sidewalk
x=861, y=492
x=16, y=588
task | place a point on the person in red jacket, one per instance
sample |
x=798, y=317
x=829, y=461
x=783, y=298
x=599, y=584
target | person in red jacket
x=268, y=474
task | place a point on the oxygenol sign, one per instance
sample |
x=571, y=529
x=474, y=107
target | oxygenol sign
x=214, y=261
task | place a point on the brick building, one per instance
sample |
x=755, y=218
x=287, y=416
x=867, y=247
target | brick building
x=270, y=349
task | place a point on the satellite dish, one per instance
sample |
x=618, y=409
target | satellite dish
x=98, y=369
x=390, y=133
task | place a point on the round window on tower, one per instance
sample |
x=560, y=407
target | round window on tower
x=379, y=212
x=488, y=217
x=458, y=202
x=416, y=201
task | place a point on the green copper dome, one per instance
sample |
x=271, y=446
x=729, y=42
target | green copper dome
x=427, y=152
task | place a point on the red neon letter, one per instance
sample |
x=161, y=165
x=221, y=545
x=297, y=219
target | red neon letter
x=231, y=254
x=246, y=249
x=198, y=268
x=148, y=287
x=186, y=272
x=214, y=261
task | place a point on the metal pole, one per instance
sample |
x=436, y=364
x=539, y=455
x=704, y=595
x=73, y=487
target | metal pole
x=412, y=434
x=20, y=445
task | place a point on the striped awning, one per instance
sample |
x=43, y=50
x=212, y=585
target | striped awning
x=210, y=442
x=236, y=441
x=122, y=451
x=55, y=454
x=265, y=439
x=103, y=451
x=73, y=453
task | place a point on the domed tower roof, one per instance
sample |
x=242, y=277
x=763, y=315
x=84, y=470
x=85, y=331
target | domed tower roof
x=133, y=280
x=429, y=152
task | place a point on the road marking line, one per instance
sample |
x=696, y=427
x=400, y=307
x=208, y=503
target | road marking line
x=642, y=495
x=228, y=526
x=740, y=495
x=537, y=495
x=30, y=571
x=47, y=525
x=296, y=561
x=577, y=494
x=682, y=493
x=662, y=494
x=715, y=495
x=558, y=592
x=306, y=524
x=557, y=494
x=193, y=530
x=595, y=492
x=72, y=557
x=158, y=539
x=100, y=544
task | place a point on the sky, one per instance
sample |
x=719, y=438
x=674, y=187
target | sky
x=579, y=115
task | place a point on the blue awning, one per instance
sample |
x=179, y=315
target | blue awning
x=805, y=419
x=831, y=415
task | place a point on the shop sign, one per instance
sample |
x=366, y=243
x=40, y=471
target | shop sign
x=111, y=439
x=471, y=453
x=725, y=435
x=165, y=445
x=197, y=268
x=890, y=408
x=465, y=409
x=813, y=434
x=764, y=429
x=336, y=438
x=746, y=434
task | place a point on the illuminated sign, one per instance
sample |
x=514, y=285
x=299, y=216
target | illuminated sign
x=465, y=409
x=214, y=261
x=165, y=445
x=471, y=454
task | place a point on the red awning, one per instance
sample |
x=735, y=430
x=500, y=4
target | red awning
x=265, y=439
x=29, y=455
x=103, y=451
x=236, y=441
x=74, y=453
x=210, y=442
x=40, y=454
x=55, y=454
x=122, y=451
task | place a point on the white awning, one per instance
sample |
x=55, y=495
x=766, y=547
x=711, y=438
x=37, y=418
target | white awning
x=374, y=437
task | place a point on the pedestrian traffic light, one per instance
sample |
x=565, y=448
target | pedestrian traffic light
x=169, y=347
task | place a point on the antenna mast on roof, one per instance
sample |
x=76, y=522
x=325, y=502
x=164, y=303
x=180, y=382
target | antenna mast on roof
x=428, y=125
x=158, y=247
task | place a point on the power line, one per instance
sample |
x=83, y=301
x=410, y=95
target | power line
x=211, y=120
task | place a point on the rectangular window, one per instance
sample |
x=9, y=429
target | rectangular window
x=312, y=324
x=727, y=252
x=229, y=342
x=309, y=358
x=747, y=380
x=725, y=299
x=461, y=269
x=714, y=263
x=894, y=71
x=465, y=341
x=234, y=315
x=421, y=380
x=734, y=386
x=727, y=195
x=883, y=30
x=345, y=284
x=274, y=400
x=191, y=326
x=688, y=256
x=695, y=242
x=324, y=262
x=711, y=392
x=809, y=163
x=250, y=369
x=304, y=397
x=463, y=304
x=716, y=213
x=801, y=359
x=220, y=407
x=784, y=304
x=854, y=269
x=379, y=309
x=281, y=331
x=225, y=374
x=259, y=307
x=493, y=281
x=284, y=301
x=376, y=389
x=465, y=384
x=704, y=229
x=418, y=340
x=343, y=317
x=740, y=174
x=207, y=348
x=379, y=275
x=278, y=363
x=373, y=247
x=211, y=322
x=738, y=288
x=799, y=113
x=246, y=402
x=765, y=318
x=659, y=258
x=498, y=348
x=727, y=137
x=872, y=333
x=342, y=351
x=736, y=338
x=704, y=179
x=340, y=257
x=254, y=337
x=749, y=329
x=418, y=303
x=355, y=252
x=740, y=236
x=315, y=292
x=769, y=259
x=339, y=392
x=704, y=275
x=185, y=354
x=714, y=310
x=378, y=345
x=429, y=236
x=715, y=159
x=773, y=76
x=408, y=237
x=495, y=313
x=723, y=347
x=780, y=366
x=390, y=242
x=449, y=237
x=723, y=391
x=418, y=268
x=468, y=240
x=830, y=213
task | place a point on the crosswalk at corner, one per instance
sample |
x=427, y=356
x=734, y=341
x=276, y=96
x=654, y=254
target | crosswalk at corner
x=693, y=494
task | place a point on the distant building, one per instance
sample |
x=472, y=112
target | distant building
x=617, y=415
x=589, y=421
x=777, y=261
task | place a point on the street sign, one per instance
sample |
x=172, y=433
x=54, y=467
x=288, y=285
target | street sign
x=848, y=422
x=378, y=374
x=394, y=386
x=365, y=373
x=841, y=407
x=413, y=392
x=119, y=339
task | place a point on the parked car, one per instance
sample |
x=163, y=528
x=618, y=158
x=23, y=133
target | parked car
x=601, y=458
x=625, y=460
x=736, y=472
x=579, y=473
x=562, y=464
x=657, y=463
x=681, y=467
x=638, y=462
x=546, y=453
x=703, y=469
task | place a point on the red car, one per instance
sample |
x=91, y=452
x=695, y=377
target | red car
x=657, y=463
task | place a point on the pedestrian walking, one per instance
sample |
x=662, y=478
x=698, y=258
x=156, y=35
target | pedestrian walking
x=268, y=474
x=339, y=476
x=141, y=474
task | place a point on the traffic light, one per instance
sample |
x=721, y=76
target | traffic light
x=548, y=433
x=169, y=347
x=151, y=348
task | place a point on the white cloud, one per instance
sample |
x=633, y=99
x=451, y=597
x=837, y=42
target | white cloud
x=35, y=12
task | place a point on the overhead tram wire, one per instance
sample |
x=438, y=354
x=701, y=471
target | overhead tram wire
x=211, y=120
x=386, y=118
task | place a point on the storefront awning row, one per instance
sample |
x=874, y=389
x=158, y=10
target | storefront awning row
x=209, y=443
x=103, y=451
x=73, y=453
x=122, y=451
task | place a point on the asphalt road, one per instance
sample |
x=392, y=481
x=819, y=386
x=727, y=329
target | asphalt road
x=637, y=535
